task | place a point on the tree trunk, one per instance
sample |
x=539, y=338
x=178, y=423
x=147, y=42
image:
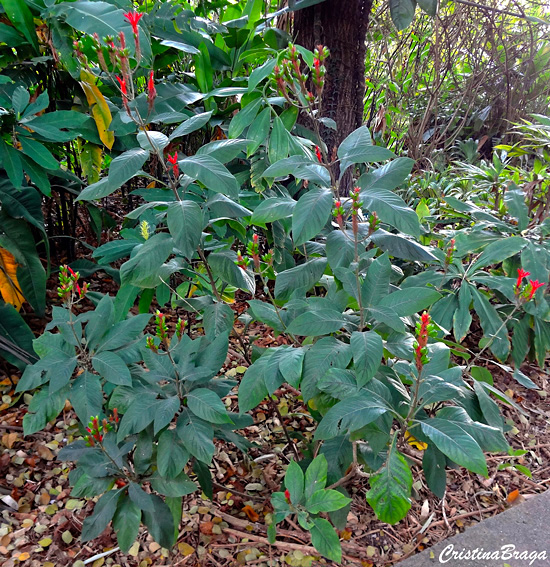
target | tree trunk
x=342, y=27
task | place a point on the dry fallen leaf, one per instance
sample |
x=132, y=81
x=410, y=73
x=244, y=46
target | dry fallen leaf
x=251, y=513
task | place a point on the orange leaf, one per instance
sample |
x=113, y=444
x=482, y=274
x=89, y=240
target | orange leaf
x=251, y=513
x=513, y=496
x=9, y=286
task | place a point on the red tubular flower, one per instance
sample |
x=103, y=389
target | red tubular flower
x=521, y=274
x=287, y=495
x=420, y=347
x=318, y=154
x=123, y=87
x=133, y=18
x=532, y=288
x=174, y=161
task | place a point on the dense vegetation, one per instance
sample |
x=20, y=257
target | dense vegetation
x=181, y=148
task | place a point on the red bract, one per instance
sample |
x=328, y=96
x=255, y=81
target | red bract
x=318, y=154
x=174, y=161
x=133, y=18
x=287, y=495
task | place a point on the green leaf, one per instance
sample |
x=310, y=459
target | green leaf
x=160, y=523
x=514, y=198
x=112, y=368
x=261, y=73
x=278, y=141
x=126, y=165
x=258, y=131
x=294, y=482
x=391, y=209
x=318, y=322
x=223, y=150
x=497, y=251
x=462, y=318
x=180, y=485
x=144, y=267
x=272, y=209
x=402, y=13
x=325, y=540
x=21, y=17
x=390, y=488
x=402, y=247
x=368, y=350
x=433, y=465
x=171, y=454
x=429, y=6
x=376, y=284
x=224, y=266
x=152, y=141
x=301, y=168
x=252, y=389
x=104, y=510
x=138, y=416
x=358, y=148
x=387, y=177
x=326, y=501
x=126, y=523
x=454, y=442
x=410, y=300
x=191, y=125
x=301, y=278
x=165, y=410
x=86, y=396
x=207, y=405
x=316, y=476
x=185, y=223
x=244, y=118
x=211, y=173
x=491, y=323
x=351, y=414
x=196, y=435
x=217, y=318
x=17, y=348
x=38, y=153
x=310, y=215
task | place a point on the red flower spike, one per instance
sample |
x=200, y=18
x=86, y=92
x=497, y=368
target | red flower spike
x=287, y=495
x=255, y=238
x=133, y=18
x=174, y=161
x=123, y=88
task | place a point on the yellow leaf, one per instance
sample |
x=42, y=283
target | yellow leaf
x=9, y=286
x=185, y=549
x=413, y=442
x=99, y=107
x=23, y=556
x=45, y=542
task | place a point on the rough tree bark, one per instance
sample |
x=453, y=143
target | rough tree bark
x=341, y=25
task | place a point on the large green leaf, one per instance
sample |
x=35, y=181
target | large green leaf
x=429, y=6
x=302, y=278
x=390, y=488
x=165, y=410
x=252, y=389
x=391, y=209
x=172, y=456
x=326, y=501
x=351, y=414
x=191, y=125
x=224, y=266
x=402, y=247
x=104, y=511
x=126, y=523
x=294, y=482
x=37, y=152
x=317, y=322
x=325, y=539
x=196, y=435
x=126, y=165
x=402, y=12
x=454, y=442
x=17, y=347
x=387, y=177
x=213, y=174
x=491, y=323
x=278, y=141
x=301, y=168
x=368, y=350
x=433, y=464
x=112, y=368
x=86, y=396
x=185, y=222
x=310, y=215
x=272, y=209
x=21, y=17
x=410, y=300
x=207, y=405
x=258, y=131
x=316, y=476
x=497, y=251
x=223, y=150
x=376, y=284
x=358, y=148
x=160, y=523
x=462, y=318
x=244, y=118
